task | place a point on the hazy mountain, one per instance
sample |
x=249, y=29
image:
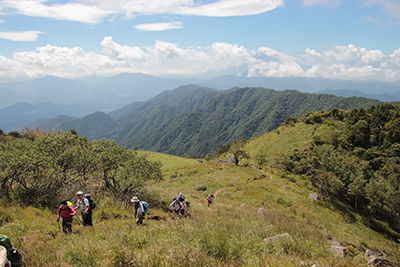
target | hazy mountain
x=121, y=89
x=135, y=87
x=309, y=85
x=20, y=115
x=139, y=116
x=94, y=126
x=128, y=91
x=10, y=96
x=347, y=93
x=75, y=97
x=50, y=124
x=47, y=89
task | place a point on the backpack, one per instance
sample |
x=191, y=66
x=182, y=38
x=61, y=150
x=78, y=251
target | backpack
x=5, y=242
x=145, y=206
x=13, y=255
x=92, y=203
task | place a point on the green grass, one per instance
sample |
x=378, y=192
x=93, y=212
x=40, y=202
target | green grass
x=230, y=233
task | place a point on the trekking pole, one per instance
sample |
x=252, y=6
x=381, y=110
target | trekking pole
x=79, y=219
x=59, y=229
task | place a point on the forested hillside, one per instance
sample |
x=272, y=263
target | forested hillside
x=245, y=112
x=350, y=156
x=193, y=121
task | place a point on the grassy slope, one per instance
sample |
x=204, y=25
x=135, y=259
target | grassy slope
x=226, y=234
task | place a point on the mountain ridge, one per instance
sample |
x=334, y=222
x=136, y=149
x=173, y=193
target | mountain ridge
x=210, y=119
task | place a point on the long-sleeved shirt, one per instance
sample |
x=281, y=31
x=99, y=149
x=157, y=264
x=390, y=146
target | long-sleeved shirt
x=65, y=212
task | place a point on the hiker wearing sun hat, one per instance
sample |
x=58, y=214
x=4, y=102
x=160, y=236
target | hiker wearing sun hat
x=83, y=204
x=139, y=210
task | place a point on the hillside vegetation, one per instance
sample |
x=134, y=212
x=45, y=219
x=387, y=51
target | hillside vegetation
x=230, y=232
x=193, y=121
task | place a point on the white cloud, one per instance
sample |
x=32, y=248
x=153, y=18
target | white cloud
x=93, y=11
x=165, y=58
x=24, y=36
x=69, y=11
x=390, y=7
x=226, y=8
x=275, y=69
x=122, y=52
x=12, y=70
x=159, y=26
x=351, y=62
x=65, y=62
x=346, y=54
x=327, y=3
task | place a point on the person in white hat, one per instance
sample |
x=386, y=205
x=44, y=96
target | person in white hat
x=139, y=210
x=83, y=204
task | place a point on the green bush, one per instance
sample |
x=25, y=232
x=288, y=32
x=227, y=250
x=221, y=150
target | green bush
x=200, y=188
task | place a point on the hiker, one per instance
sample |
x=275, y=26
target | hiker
x=139, y=210
x=210, y=199
x=177, y=207
x=185, y=203
x=67, y=213
x=83, y=204
x=9, y=256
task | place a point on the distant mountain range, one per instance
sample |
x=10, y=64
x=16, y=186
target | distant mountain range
x=193, y=120
x=306, y=85
x=50, y=96
x=118, y=90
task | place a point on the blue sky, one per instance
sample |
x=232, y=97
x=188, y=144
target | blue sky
x=338, y=39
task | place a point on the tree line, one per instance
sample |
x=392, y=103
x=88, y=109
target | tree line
x=355, y=158
x=38, y=168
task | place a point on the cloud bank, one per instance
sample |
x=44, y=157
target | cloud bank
x=165, y=58
x=23, y=36
x=159, y=26
x=94, y=11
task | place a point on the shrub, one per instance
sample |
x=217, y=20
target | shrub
x=201, y=188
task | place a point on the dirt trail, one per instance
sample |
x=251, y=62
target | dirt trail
x=261, y=170
x=219, y=190
x=216, y=193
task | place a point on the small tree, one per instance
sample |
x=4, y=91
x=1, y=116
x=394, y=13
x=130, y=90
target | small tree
x=328, y=184
x=261, y=159
x=239, y=155
x=207, y=156
x=223, y=149
x=290, y=121
x=14, y=134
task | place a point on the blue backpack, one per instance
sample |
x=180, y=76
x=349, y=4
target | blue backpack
x=145, y=206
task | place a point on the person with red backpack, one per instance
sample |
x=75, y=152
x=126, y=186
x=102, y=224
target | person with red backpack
x=67, y=213
x=210, y=199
